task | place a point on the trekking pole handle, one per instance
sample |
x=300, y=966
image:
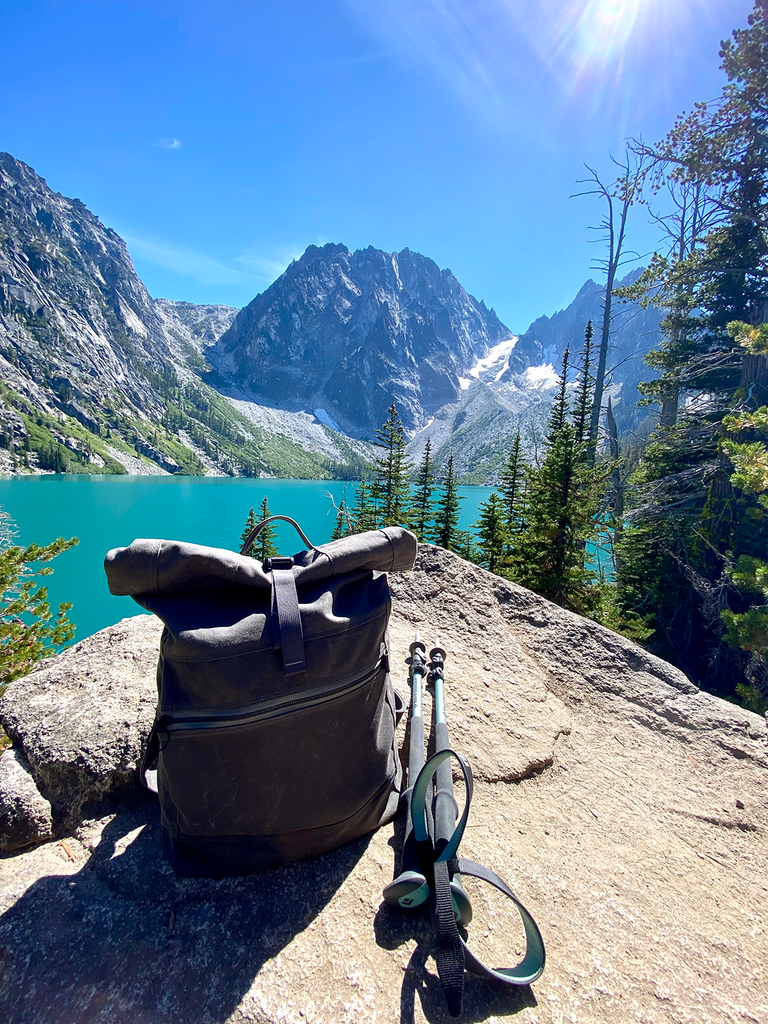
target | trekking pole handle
x=416, y=747
x=446, y=808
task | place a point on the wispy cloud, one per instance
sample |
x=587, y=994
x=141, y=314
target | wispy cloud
x=172, y=143
x=268, y=266
x=202, y=268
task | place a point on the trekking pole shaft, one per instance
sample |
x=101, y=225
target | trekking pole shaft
x=416, y=748
x=446, y=808
x=410, y=888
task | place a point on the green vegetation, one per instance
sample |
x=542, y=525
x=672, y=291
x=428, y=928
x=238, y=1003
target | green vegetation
x=265, y=545
x=692, y=555
x=206, y=420
x=29, y=630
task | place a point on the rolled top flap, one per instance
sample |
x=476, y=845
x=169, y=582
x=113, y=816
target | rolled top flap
x=169, y=566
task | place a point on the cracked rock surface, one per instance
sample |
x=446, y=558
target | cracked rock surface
x=626, y=809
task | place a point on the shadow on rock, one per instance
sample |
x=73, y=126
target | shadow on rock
x=125, y=940
x=482, y=998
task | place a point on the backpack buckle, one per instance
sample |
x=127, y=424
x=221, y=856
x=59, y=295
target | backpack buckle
x=278, y=562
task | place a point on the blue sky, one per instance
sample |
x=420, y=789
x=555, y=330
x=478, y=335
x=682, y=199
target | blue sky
x=220, y=139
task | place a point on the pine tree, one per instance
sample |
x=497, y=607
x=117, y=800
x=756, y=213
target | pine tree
x=465, y=546
x=561, y=515
x=585, y=390
x=558, y=417
x=447, y=515
x=264, y=546
x=421, y=513
x=363, y=515
x=250, y=523
x=513, y=487
x=29, y=631
x=492, y=533
x=698, y=523
x=341, y=527
x=392, y=471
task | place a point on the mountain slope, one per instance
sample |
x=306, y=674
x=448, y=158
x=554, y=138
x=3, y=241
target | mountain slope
x=634, y=332
x=348, y=332
x=99, y=377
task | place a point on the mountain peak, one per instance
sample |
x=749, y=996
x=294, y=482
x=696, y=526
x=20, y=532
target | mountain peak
x=350, y=332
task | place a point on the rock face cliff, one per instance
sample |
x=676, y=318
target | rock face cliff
x=634, y=332
x=625, y=808
x=99, y=377
x=348, y=332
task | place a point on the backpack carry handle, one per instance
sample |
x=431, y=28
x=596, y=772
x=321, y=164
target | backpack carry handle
x=251, y=538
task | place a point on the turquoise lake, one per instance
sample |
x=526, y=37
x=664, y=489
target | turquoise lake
x=111, y=511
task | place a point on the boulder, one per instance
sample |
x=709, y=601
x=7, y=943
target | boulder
x=82, y=718
x=25, y=815
x=624, y=807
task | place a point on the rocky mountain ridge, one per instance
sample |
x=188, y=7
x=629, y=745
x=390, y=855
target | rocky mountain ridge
x=634, y=331
x=97, y=376
x=349, y=331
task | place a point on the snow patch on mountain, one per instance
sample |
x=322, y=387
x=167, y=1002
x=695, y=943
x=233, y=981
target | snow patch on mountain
x=543, y=376
x=497, y=361
x=323, y=416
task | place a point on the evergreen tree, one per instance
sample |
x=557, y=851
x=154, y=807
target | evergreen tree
x=28, y=629
x=492, y=533
x=465, y=546
x=363, y=516
x=421, y=514
x=392, y=472
x=264, y=546
x=250, y=523
x=562, y=515
x=585, y=390
x=447, y=515
x=698, y=528
x=513, y=488
x=341, y=527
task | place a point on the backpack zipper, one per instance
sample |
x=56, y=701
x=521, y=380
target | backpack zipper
x=240, y=716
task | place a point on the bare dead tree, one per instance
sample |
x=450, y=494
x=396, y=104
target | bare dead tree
x=619, y=196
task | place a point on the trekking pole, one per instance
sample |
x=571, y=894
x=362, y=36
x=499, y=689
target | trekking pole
x=446, y=808
x=410, y=888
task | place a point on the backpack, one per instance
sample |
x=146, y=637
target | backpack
x=274, y=737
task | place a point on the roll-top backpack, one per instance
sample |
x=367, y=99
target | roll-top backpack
x=275, y=731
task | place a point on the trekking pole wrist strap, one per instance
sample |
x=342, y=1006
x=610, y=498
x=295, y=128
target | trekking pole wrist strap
x=532, y=963
x=452, y=952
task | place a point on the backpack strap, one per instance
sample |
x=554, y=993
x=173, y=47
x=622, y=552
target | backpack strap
x=287, y=631
x=253, y=535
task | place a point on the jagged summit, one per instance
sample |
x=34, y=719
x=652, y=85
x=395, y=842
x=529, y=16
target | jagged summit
x=350, y=331
x=100, y=377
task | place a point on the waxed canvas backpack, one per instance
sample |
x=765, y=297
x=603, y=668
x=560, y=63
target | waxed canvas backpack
x=275, y=731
